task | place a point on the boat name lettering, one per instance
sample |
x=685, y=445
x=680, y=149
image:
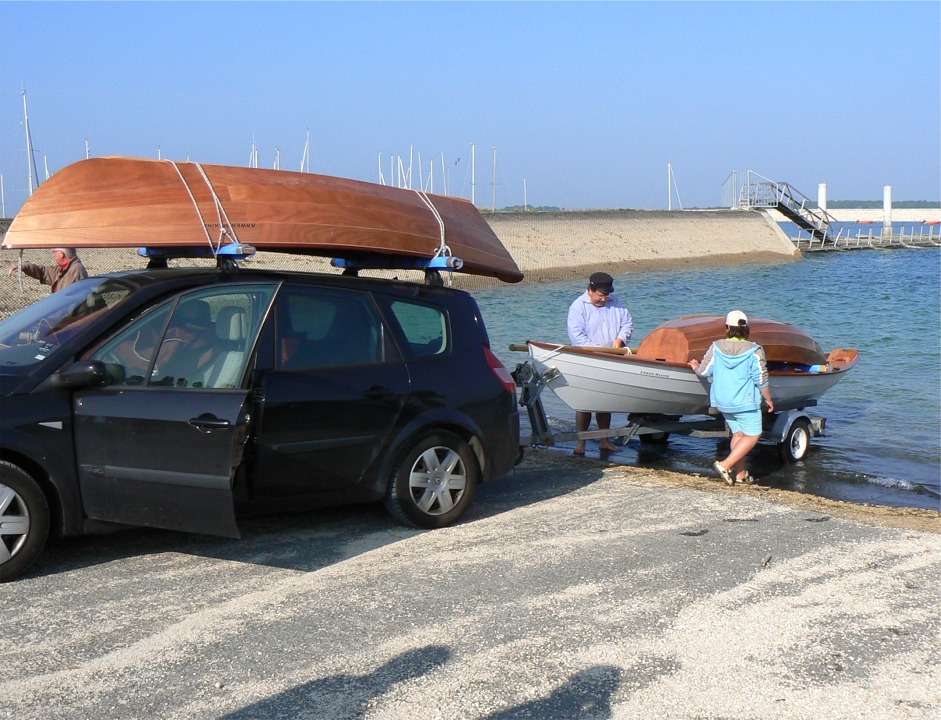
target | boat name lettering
x=654, y=374
x=234, y=225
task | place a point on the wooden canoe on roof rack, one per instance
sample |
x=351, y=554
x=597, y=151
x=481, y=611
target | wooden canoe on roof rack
x=131, y=202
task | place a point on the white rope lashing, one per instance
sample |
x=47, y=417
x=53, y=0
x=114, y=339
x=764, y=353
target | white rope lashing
x=443, y=249
x=225, y=227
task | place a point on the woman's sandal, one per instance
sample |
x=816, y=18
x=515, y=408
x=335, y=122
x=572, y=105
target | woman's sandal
x=749, y=479
x=724, y=473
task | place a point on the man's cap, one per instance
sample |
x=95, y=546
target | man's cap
x=736, y=318
x=602, y=281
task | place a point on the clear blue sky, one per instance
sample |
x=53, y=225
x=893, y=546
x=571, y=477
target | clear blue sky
x=585, y=102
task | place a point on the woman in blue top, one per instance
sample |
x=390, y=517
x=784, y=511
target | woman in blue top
x=739, y=373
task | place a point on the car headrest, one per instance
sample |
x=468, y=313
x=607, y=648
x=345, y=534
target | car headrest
x=232, y=324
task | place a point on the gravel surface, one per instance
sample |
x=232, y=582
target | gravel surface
x=573, y=589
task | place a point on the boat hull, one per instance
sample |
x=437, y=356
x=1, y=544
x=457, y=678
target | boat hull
x=594, y=381
x=132, y=202
x=598, y=381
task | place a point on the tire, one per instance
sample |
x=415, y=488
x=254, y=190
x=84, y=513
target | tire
x=434, y=481
x=795, y=444
x=24, y=521
x=660, y=438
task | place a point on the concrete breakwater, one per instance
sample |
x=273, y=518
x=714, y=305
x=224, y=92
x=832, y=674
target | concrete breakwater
x=546, y=246
x=561, y=245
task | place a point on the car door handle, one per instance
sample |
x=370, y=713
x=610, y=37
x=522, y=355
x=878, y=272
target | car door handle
x=207, y=423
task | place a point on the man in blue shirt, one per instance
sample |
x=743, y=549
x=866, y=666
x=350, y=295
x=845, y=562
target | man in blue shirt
x=597, y=319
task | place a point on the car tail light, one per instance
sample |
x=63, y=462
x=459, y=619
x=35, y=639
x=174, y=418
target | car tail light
x=500, y=371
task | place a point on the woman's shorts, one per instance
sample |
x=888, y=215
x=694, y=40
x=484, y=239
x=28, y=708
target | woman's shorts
x=747, y=423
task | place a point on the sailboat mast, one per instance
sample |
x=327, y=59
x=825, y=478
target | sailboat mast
x=30, y=159
x=669, y=186
x=305, y=158
x=473, y=175
x=493, y=189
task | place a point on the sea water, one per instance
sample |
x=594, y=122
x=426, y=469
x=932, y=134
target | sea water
x=883, y=431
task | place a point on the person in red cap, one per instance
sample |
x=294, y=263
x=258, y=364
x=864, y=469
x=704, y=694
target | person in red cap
x=596, y=318
x=66, y=270
x=739, y=373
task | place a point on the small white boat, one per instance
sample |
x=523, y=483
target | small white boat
x=598, y=380
x=656, y=380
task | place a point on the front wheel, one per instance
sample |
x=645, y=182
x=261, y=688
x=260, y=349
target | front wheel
x=434, y=481
x=795, y=444
x=24, y=521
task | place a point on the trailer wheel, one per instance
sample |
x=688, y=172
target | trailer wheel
x=795, y=444
x=659, y=438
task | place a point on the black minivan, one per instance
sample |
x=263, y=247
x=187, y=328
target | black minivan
x=183, y=398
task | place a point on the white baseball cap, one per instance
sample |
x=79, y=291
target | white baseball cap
x=736, y=318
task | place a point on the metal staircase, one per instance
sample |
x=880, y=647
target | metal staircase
x=760, y=192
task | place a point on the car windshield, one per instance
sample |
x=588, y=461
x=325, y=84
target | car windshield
x=35, y=332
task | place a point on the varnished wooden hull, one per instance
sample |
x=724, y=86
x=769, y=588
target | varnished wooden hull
x=129, y=202
x=689, y=337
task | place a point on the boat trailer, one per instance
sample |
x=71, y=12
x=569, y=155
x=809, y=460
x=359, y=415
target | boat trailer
x=789, y=427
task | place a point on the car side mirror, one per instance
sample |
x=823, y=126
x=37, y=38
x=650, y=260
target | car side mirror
x=89, y=373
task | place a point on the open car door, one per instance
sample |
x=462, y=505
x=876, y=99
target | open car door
x=161, y=458
x=159, y=444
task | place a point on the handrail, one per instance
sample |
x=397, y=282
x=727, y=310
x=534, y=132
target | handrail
x=761, y=192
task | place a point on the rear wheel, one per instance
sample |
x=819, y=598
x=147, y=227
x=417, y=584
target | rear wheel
x=658, y=438
x=24, y=521
x=796, y=442
x=434, y=481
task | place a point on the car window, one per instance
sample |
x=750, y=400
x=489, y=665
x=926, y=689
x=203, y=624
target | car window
x=32, y=334
x=129, y=354
x=424, y=327
x=202, y=340
x=322, y=327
